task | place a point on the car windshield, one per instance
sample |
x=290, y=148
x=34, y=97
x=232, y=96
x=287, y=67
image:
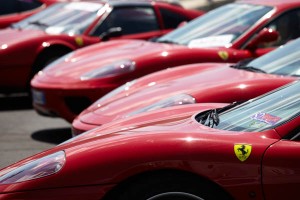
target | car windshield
x=282, y=61
x=263, y=113
x=219, y=27
x=70, y=18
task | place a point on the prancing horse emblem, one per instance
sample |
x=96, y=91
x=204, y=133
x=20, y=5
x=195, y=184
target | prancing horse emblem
x=242, y=151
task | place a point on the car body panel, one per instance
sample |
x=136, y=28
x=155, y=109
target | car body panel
x=65, y=77
x=210, y=82
x=30, y=44
x=178, y=141
x=192, y=148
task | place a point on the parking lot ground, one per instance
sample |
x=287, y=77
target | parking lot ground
x=24, y=132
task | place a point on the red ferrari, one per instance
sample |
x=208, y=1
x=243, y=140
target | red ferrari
x=35, y=41
x=248, y=151
x=12, y=11
x=227, y=34
x=198, y=83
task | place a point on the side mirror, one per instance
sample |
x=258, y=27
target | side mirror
x=112, y=32
x=264, y=36
x=181, y=24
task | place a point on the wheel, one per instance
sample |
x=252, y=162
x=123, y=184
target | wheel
x=170, y=186
x=46, y=58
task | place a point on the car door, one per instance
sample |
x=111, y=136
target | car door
x=281, y=164
x=136, y=22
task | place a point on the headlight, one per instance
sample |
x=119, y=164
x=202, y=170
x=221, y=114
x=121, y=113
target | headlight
x=64, y=58
x=41, y=167
x=180, y=99
x=114, y=92
x=116, y=68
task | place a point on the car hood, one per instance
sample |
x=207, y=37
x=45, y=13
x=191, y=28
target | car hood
x=101, y=55
x=132, y=144
x=163, y=118
x=203, y=81
x=15, y=36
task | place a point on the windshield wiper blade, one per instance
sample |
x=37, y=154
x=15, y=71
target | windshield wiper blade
x=210, y=119
x=242, y=64
x=166, y=41
x=253, y=69
x=38, y=23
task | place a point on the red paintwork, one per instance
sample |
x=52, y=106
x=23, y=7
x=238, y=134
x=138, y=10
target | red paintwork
x=7, y=20
x=168, y=139
x=211, y=82
x=63, y=80
x=22, y=47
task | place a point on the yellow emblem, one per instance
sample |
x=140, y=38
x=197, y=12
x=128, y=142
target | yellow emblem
x=79, y=41
x=223, y=54
x=242, y=151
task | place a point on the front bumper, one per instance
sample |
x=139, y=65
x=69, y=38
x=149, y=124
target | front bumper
x=65, y=103
x=79, y=127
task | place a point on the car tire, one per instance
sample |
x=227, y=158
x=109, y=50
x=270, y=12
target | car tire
x=170, y=187
x=46, y=58
x=43, y=59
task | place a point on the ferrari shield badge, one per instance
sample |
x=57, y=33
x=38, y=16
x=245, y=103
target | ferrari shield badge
x=223, y=54
x=79, y=41
x=242, y=151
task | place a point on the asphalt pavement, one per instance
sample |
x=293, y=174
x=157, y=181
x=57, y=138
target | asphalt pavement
x=23, y=132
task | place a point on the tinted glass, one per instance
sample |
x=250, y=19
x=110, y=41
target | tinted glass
x=25, y=5
x=70, y=18
x=171, y=20
x=220, y=27
x=282, y=61
x=130, y=19
x=288, y=27
x=16, y=6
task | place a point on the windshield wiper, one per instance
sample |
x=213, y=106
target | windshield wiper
x=167, y=41
x=253, y=69
x=38, y=23
x=210, y=119
x=243, y=65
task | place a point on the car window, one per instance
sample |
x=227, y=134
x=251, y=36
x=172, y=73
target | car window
x=16, y=6
x=263, y=113
x=25, y=5
x=171, y=19
x=219, y=27
x=288, y=27
x=71, y=18
x=130, y=19
x=282, y=61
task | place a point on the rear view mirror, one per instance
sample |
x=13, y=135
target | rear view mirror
x=264, y=36
x=112, y=32
x=181, y=24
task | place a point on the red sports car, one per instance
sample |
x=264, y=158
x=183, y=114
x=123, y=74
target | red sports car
x=248, y=151
x=198, y=83
x=12, y=11
x=227, y=34
x=32, y=43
